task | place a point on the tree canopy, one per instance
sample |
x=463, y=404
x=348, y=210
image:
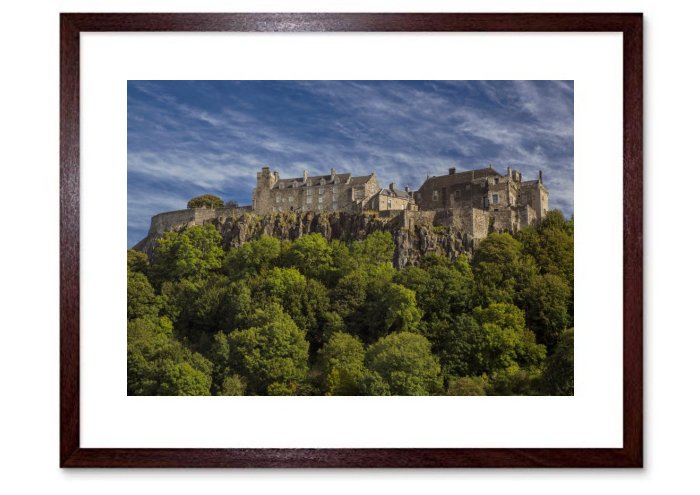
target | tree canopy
x=309, y=316
x=206, y=201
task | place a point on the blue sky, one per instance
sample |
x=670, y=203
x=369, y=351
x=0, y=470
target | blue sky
x=187, y=138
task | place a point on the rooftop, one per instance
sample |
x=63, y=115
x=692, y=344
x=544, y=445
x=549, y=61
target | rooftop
x=316, y=180
x=466, y=176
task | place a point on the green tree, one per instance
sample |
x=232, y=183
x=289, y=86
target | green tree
x=468, y=385
x=401, y=312
x=157, y=364
x=341, y=260
x=500, y=269
x=192, y=253
x=233, y=385
x=546, y=301
x=369, y=306
x=551, y=244
x=493, y=340
x=181, y=378
x=372, y=383
x=386, y=307
x=341, y=364
x=405, y=363
x=376, y=249
x=136, y=261
x=305, y=300
x=206, y=201
x=253, y=257
x=141, y=299
x=218, y=353
x=515, y=381
x=313, y=256
x=506, y=340
x=459, y=344
x=558, y=374
x=272, y=351
x=203, y=307
x=350, y=294
x=442, y=288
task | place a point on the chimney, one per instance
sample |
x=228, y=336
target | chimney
x=540, y=177
x=452, y=170
x=332, y=174
x=277, y=175
x=391, y=186
x=408, y=189
x=510, y=175
x=306, y=176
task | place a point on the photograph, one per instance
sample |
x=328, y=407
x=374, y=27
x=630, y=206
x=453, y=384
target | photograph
x=350, y=238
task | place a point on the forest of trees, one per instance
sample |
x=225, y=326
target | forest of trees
x=313, y=317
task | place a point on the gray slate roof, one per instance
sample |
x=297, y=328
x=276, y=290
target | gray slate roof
x=313, y=181
x=438, y=181
x=394, y=194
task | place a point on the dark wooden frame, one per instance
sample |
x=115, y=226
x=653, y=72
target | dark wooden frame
x=72, y=455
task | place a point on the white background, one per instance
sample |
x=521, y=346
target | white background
x=29, y=253
x=592, y=418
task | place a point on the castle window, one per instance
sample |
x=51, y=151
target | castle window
x=335, y=189
x=308, y=192
x=495, y=181
x=436, y=195
x=277, y=198
x=291, y=199
x=494, y=198
x=485, y=201
x=308, y=200
x=320, y=190
x=457, y=194
x=320, y=199
x=388, y=201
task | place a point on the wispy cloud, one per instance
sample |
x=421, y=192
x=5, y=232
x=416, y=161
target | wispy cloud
x=190, y=137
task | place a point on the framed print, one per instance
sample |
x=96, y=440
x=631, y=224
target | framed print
x=350, y=240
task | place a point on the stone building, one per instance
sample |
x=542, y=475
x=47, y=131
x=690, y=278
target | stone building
x=334, y=192
x=391, y=199
x=510, y=202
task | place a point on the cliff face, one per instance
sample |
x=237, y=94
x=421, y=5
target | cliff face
x=415, y=233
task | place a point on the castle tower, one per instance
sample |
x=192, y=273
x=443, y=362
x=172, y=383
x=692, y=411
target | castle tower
x=265, y=181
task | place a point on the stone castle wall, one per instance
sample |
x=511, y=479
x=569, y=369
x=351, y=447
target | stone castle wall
x=415, y=233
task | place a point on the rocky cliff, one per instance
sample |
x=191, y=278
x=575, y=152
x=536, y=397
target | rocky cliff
x=415, y=233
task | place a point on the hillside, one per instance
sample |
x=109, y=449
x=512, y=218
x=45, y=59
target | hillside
x=415, y=234
x=231, y=303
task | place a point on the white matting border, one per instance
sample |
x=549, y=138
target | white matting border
x=592, y=418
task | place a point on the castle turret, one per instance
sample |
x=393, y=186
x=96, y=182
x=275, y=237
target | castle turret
x=266, y=180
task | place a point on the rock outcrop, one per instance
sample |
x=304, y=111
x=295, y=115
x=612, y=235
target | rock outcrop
x=415, y=233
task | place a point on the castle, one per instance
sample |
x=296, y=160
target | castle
x=334, y=192
x=449, y=214
x=505, y=202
